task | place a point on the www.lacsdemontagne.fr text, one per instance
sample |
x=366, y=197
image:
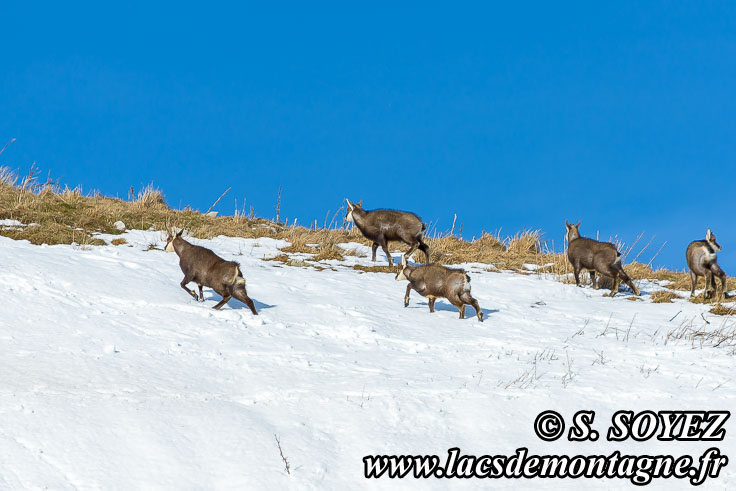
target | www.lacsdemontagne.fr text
x=639, y=469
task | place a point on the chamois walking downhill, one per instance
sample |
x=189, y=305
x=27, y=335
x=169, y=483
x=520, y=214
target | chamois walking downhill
x=382, y=226
x=703, y=261
x=205, y=268
x=435, y=281
x=596, y=257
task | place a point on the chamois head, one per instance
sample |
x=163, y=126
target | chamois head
x=400, y=273
x=170, y=240
x=573, y=231
x=710, y=238
x=351, y=207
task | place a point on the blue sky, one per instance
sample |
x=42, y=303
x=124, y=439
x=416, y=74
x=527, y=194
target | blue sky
x=513, y=116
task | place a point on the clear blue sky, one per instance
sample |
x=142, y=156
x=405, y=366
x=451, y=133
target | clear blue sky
x=621, y=116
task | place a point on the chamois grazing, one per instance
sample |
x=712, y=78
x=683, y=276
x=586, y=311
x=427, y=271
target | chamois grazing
x=596, y=257
x=434, y=281
x=702, y=261
x=203, y=267
x=382, y=226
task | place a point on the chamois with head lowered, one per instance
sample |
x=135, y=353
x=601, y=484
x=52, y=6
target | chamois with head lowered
x=382, y=226
x=596, y=257
x=435, y=281
x=205, y=268
x=702, y=261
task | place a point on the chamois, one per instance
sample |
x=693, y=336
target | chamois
x=702, y=261
x=204, y=267
x=434, y=281
x=382, y=226
x=596, y=257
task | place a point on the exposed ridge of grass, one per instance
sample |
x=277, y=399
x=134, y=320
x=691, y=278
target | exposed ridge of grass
x=66, y=215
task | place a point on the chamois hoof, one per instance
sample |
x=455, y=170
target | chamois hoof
x=480, y=316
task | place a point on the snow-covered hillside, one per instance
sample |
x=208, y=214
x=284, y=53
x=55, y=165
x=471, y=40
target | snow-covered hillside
x=113, y=377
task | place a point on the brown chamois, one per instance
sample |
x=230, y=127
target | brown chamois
x=596, y=257
x=434, y=281
x=702, y=261
x=204, y=267
x=382, y=226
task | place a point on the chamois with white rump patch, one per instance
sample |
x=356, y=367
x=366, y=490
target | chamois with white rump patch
x=205, y=268
x=382, y=226
x=702, y=261
x=596, y=257
x=435, y=281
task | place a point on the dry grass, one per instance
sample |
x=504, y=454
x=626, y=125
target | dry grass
x=67, y=215
x=664, y=296
x=721, y=310
x=118, y=241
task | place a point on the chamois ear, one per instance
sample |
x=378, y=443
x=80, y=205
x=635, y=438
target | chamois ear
x=567, y=224
x=350, y=205
x=178, y=234
x=708, y=234
x=578, y=225
x=360, y=204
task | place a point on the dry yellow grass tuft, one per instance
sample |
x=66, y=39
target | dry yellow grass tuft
x=721, y=310
x=663, y=296
x=118, y=241
x=150, y=197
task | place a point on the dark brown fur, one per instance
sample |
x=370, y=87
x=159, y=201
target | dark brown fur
x=203, y=267
x=434, y=281
x=702, y=261
x=382, y=226
x=596, y=257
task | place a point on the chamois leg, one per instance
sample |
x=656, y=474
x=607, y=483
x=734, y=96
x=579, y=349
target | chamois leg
x=201, y=293
x=184, y=283
x=693, y=282
x=717, y=271
x=614, y=288
x=411, y=250
x=406, y=297
x=708, y=292
x=576, y=269
x=457, y=301
x=431, y=304
x=374, y=247
x=224, y=300
x=627, y=279
x=593, y=279
x=425, y=249
x=241, y=294
x=384, y=246
x=468, y=299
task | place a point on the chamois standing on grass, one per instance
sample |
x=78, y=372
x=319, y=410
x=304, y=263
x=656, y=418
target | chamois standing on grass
x=434, y=281
x=382, y=226
x=596, y=257
x=702, y=261
x=204, y=267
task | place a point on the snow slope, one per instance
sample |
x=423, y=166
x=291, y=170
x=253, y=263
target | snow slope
x=113, y=377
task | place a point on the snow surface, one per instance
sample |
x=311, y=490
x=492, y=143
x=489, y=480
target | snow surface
x=113, y=377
